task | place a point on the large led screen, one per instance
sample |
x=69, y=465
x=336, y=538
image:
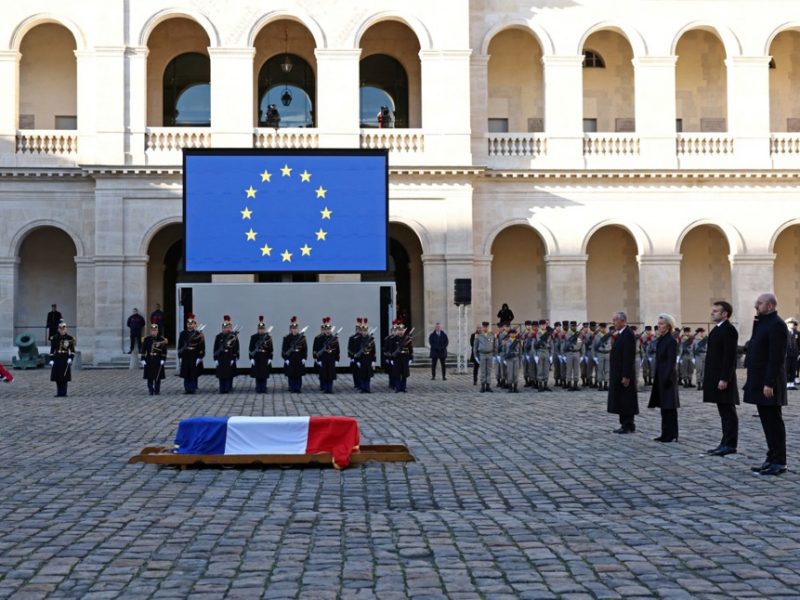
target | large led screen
x=250, y=211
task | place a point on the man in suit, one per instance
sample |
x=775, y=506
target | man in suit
x=719, y=378
x=766, y=380
x=622, y=396
x=438, y=343
x=53, y=319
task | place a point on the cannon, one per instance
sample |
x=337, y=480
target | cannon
x=29, y=357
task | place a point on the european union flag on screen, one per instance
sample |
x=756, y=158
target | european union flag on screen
x=253, y=211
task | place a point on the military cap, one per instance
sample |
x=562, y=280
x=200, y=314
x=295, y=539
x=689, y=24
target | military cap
x=528, y=322
x=571, y=323
x=592, y=323
x=603, y=324
x=699, y=330
x=648, y=328
x=261, y=324
x=485, y=324
x=687, y=329
x=542, y=321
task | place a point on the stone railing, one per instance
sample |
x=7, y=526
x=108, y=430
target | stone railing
x=173, y=139
x=704, y=144
x=516, y=144
x=290, y=137
x=784, y=143
x=611, y=144
x=394, y=140
x=47, y=141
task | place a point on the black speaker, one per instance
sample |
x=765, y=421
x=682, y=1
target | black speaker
x=186, y=299
x=463, y=291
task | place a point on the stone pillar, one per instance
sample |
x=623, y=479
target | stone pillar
x=659, y=286
x=85, y=292
x=109, y=264
x=109, y=106
x=338, y=102
x=9, y=105
x=136, y=96
x=482, y=289
x=87, y=106
x=655, y=109
x=445, y=76
x=434, y=277
x=566, y=286
x=479, y=100
x=563, y=110
x=748, y=110
x=232, y=97
x=9, y=272
x=751, y=276
x=135, y=292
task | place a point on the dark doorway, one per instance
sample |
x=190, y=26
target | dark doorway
x=174, y=274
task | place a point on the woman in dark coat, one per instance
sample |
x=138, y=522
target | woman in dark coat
x=664, y=394
x=505, y=316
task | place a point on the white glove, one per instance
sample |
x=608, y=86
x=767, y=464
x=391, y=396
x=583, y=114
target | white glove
x=285, y=363
x=304, y=362
x=411, y=362
x=162, y=363
x=233, y=362
x=252, y=362
x=269, y=362
x=216, y=363
x=319, y=364
x=198, y=361
x=143, y=364
x=374, y=365
x=50, y=363
x=69, y=361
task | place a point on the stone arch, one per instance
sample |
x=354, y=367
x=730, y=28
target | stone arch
x=783, y=227
x=412, y=22
x=547, y=237
x=418, y=228
x=705, y=270
x=729, y=40
x=300, y=17
x=788, y=26
x=39, y=19
x=22, y=233
x=734, y=238
x=635, y=39
x=643, y=243
x=186, y=13
x=154, y=230
x=785, y=246
x=538, y=32
x=518, y=271
x=612, y=271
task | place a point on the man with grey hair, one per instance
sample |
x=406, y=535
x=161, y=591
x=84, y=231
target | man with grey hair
x=766, y=380
x=622, y=396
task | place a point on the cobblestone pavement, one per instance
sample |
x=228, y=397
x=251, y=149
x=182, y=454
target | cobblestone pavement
x=527, y=495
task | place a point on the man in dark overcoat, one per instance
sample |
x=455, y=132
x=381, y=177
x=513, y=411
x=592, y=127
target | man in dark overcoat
x=766, y=380
x=719, y=379
x=622, y=396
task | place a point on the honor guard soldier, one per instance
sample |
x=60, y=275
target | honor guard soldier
x=636, y=363
x=389, y=347
x=260, y=352
x=294, y=352
x=326, y=354
x=591, y=364
x=511, y=356
x=364, y=356
x=353, y=345
x=585, y=357
x=652, y=341
x=500, y=371
x=699, y=349
x=191, y=351
x=558, y=358
x=154, y=357
x=645, y=340
x=484, y=349
x=603, y=340
x=226, y=353
x=402, y=357
x=528, y=365
x=685, y=363
x=543, y=347
x=573, y=348
x=62, y=351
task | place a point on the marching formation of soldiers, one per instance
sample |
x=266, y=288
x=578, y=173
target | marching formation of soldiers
x=577, y=354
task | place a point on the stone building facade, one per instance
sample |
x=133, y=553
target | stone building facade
x=571, y=158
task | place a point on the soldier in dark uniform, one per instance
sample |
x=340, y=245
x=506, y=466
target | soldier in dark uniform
x=226, y=353
x=191, y=350
x=326, y=353
x=389, y=347
x=353, y=345
x=364, y=356
x=402, y=357
x=261, y=356
x=473, y=359
x=62, y=351
x=154, y=356
x=53, y=319
x=294, y=352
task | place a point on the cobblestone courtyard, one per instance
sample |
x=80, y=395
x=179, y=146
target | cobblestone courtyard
x=527, y=495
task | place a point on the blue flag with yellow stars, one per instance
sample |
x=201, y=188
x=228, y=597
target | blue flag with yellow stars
x=255, y=211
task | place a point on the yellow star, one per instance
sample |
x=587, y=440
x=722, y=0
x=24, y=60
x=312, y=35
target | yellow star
x=246, y=213
x=321, y=192
x=326, y=214
x=286, y=256
x=266, y=251
x=321, y=234
x=306, y=250
x=251, y=235
x=305, y=176
x=286, y=171
x=265, y=176
x=251, y=193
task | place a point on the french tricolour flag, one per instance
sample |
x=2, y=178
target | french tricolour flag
x=269, y=435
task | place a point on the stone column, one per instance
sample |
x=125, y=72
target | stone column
x=232, y=97
x=136, y=96
x=659, y=286
x=563, y=110
x=338, y=103
x=109, y=106
x=748, y=110
x=566, y=286
x=9, y=105
x=135, y=292
x=87, y=106
x=9, y=272
x=479, y=100
x=482, y=289
x=434, y=277
x=85, y=292
x=109, y=264
x=751, y=276
x=655, y=109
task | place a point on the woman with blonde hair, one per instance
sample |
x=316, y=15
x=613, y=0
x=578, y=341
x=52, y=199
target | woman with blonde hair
x=664, y=394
